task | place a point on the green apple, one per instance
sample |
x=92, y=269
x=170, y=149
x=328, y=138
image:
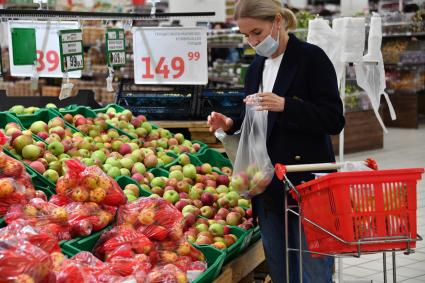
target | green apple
x=114, y=172
x=171, y=196
x=125, y=172
x=139, y=167
x=56, y=148
x=31, y=152
x=51, y=175
x=99, y=155
x=126, y=163
x=113, y=162
x=189, y=171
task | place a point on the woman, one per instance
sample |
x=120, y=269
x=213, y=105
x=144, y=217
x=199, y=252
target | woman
x=296, y=83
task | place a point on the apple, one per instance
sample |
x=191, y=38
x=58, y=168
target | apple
x=239, y=210
x=114, y=172
x=146, y=216
x=216, y=229
x=223, y=180
x=206, y=168
x=233, y=219
x=58, y=131
x=150, y=161
x=190, y=209
x=201, y=227
x=125, y=172
x=171, y=196
x=223, y=212
x=183, y=187
x=39, y=126
x=43, y=135
x=31, y=152
x=56, y=148
x=203, y=240
x=189, y=171
x=99, y=155
x=176, y=168
x=176, y=174
x=158, y=182
x=51, y=175
x=126, y=163
x=222, y=189
x=207, y=198
x=207, y=212
x=243, y=203
x=38, y=166
x=138, y=167
x=158, y=190
x=21, y=141
x=181, y=204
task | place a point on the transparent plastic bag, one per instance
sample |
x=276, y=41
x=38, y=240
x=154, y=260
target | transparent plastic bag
x=253, y=170
x=230, y=143
x=89, y=184
x=167, y=274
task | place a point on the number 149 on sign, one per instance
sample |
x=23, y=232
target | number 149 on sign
x=167, y=67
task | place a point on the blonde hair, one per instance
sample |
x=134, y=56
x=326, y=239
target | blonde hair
x=265, y=10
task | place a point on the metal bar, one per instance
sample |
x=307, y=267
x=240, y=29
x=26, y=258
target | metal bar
x=300, y=262
x=71, y=15
x=286, y=232
x=394, y=268
x=384, y=261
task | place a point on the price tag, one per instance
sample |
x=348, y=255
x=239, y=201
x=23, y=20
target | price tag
x=115, y=47
x=170, y=55
x=47, y=46
x=71, y=50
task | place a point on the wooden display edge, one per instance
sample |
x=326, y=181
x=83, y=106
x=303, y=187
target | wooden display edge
x=243, y=265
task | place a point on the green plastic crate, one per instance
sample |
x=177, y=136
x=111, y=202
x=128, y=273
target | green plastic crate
x=159, y=172
x=215, y=259
x=117, y=108
x=87, y=113
x=256, y=235
x=203, y=147
x=237, y=247
x=125, y=180
x=193, y=160
x=6, y=118
x=214, y=158
x=79, y=244
x=44, y=115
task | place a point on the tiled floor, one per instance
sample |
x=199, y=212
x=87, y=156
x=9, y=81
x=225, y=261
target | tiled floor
x=403, y=148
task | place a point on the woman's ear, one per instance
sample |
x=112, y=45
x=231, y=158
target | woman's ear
x=279, y=21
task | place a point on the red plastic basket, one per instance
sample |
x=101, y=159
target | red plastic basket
x=360, y=206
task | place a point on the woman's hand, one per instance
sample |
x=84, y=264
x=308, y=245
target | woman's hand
x=218, y=120
x=266, y=101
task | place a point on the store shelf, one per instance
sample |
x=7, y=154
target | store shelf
x=403, y=34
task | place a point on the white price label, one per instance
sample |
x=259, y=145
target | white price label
x=48, y=50
x=117, y=58
x=74, y=62
x=170, y=55
x=71, y=48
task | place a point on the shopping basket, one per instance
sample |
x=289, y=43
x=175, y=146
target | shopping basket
x=359, y=212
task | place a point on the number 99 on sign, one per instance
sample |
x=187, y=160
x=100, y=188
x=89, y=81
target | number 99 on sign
x=74, y=62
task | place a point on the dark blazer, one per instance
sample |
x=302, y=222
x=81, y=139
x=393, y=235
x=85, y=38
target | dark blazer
x=313, y=109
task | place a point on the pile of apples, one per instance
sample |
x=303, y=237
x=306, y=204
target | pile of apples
x=22, y=110
x=253, y=181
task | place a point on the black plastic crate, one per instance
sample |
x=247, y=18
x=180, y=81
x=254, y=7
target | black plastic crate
x=158, y=106
x=84, y=97
x=227, y=102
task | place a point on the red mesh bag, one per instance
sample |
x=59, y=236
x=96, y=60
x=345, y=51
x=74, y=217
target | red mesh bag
x=20, y=229
x=167, y=274
x=45, y=216
x=89, y=184
x=154, y=217
x=20, y=261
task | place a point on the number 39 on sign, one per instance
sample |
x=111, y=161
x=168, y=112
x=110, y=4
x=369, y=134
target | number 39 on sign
x=156, y=63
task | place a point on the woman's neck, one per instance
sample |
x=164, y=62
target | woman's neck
x=283, y=42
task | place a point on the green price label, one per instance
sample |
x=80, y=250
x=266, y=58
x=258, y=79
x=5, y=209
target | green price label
x=115, y=47
x=71, y=50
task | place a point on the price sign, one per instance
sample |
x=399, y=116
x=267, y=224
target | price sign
x=170, y=55
x=71, y=50
x=48, y=50
x=115, y=47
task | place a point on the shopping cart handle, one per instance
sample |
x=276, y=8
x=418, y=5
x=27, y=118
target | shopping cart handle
x=280, y=170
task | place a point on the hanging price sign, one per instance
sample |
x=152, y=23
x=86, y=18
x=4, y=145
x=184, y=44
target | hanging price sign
x=170, y=55
x=115, y=47
x=47, y=63
x=71, y=50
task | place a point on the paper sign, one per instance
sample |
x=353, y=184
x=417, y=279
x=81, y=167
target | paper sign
x=170, y=55
x=48, y=50
x=115, y=47
x=71, y=50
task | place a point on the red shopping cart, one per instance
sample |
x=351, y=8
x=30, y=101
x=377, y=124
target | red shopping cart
x=354, y=213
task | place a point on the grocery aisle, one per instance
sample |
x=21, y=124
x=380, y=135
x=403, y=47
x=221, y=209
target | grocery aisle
x=402, y=148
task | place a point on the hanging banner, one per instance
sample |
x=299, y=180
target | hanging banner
x=71, y=50
x=171, y=55
x=47, y=49
x=115, y=47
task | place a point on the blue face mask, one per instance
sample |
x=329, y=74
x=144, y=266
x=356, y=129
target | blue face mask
x=268, y=46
